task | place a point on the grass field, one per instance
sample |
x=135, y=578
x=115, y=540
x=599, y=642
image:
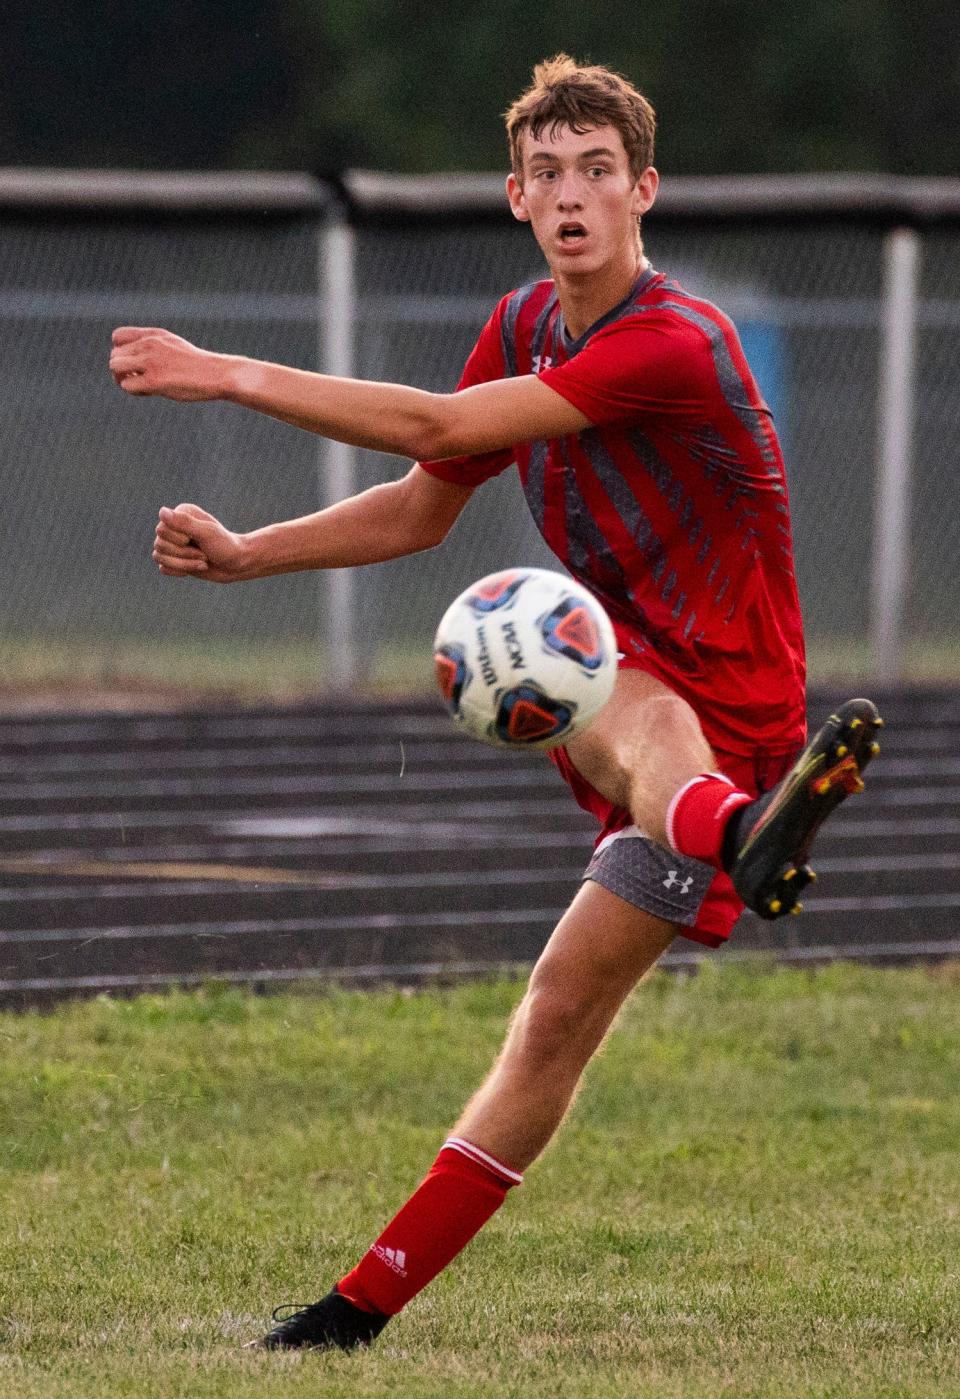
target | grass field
x=758, y=1193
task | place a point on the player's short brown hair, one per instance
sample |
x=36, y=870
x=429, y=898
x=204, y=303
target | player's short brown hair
x=581, y=96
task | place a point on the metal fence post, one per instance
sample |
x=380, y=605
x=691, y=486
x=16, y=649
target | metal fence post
x=895, y=418
x=337, y=464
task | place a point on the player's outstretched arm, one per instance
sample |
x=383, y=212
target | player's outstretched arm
x=396, y=518
x=385, y=417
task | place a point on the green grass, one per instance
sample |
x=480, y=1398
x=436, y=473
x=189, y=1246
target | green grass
x=757, y=1193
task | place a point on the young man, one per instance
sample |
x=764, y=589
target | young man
x=651, y=466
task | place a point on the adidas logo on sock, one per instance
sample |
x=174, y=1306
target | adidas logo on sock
x=394, y=1258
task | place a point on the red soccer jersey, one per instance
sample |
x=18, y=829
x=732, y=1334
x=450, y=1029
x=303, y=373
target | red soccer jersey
x=672, y=508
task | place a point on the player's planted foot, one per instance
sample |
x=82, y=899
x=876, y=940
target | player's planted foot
x=768, y=842
x=333, y=1323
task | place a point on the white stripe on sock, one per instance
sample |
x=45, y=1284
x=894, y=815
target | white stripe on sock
x=482, y=1158
x=733, y=803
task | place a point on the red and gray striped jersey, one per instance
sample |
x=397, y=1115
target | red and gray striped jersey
x=672, y=507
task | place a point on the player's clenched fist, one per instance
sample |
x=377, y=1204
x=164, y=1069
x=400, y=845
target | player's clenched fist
x=146, y=361
x=192, y=543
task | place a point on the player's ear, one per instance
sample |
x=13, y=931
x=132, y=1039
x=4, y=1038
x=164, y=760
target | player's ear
x=515, y=195
x=645, y=191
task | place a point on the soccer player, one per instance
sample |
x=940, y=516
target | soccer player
x=650, y=463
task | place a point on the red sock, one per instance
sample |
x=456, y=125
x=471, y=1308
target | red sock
x=462, y=1189
x=698, y=815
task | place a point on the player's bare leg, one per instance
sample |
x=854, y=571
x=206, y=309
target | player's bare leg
x=643, y=746
x=597, y=953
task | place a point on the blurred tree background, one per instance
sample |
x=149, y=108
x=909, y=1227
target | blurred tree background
x=322, y=85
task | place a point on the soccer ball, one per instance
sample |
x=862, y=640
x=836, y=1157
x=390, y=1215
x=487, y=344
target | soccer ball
x=525, y=658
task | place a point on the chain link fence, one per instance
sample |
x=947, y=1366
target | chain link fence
x=934, y=577
x=84, y=468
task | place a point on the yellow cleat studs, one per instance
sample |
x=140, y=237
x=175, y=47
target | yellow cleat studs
x=842, y=751
x=875, y=750
x=790, y=874
x=856, y=723
x=797, y=908
x=858, y=785
x=774, y=905
x=878, y=723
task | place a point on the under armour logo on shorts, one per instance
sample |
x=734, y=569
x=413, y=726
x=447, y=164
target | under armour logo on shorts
x=673, y=879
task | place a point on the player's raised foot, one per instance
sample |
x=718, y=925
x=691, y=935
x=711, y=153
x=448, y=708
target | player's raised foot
x=771, y=837
x=333, y=1323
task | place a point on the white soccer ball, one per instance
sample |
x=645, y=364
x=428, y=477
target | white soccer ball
x=525, y=658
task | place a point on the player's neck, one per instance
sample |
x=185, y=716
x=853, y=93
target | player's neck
x=585, y=299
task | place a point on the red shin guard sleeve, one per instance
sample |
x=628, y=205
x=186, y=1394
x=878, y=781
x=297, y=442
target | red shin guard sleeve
x=460, y=1192
x=698, y=815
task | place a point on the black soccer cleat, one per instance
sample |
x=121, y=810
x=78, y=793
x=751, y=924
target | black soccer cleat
x=333, y=1323
x=772, y=838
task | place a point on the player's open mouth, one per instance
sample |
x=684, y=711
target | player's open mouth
x=572, y=233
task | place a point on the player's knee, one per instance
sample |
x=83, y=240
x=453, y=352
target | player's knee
x=672, y=720
x=611, y=759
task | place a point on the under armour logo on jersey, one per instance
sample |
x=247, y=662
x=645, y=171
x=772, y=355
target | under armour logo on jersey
x=541, y=363
x=673, y=879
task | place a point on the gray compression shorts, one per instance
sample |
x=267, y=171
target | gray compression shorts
x=651, y=878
